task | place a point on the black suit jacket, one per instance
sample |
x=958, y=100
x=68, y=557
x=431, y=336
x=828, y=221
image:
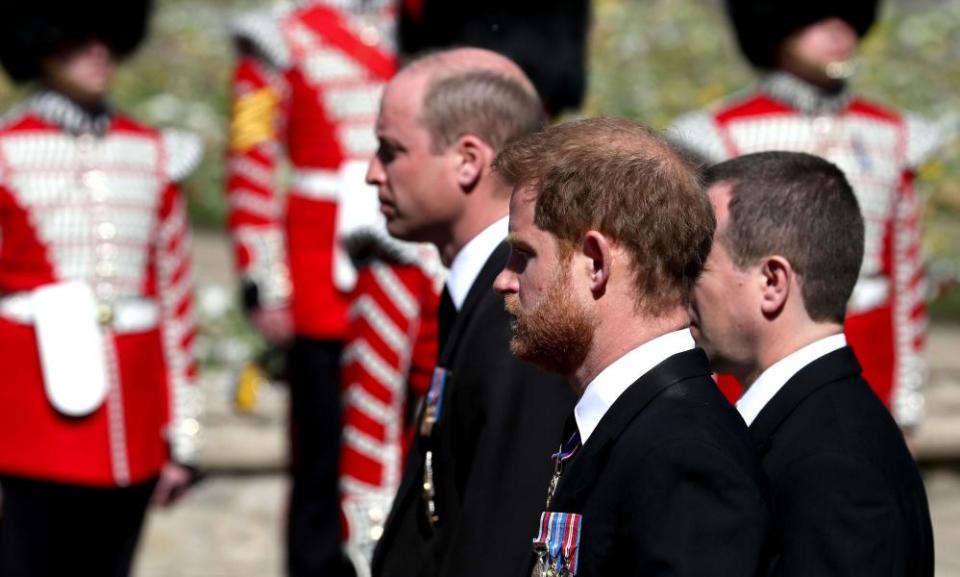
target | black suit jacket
x=847, y=496
x=500, y=422
x=669, y=482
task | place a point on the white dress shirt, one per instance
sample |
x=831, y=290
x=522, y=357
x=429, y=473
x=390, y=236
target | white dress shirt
x=606, y=388
x=469, y=261
x=770, y=381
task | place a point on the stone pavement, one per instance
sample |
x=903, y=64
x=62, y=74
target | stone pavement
x=938, y=438
x=228, y=526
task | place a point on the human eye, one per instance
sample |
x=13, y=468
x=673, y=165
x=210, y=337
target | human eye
x=519, y=257
x=387, y=151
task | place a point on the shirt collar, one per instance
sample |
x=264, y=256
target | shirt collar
x=56, y=108
x=468, y=263
x=606, y=388
x=804, y=96
x=770, y=381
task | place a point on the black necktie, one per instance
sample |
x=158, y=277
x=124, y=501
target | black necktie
x=446, y=316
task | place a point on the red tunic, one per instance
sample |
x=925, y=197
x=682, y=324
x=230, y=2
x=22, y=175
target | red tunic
x=307, y=88
x=878, y=149
x=102, y=208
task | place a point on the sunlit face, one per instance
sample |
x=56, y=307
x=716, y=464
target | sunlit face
x=820, y=52
x=552, y=329
x=416, y=186
x=83, y=71
x=725, y=300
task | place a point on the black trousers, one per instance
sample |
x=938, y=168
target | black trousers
x=52, y=529
x=313, y=523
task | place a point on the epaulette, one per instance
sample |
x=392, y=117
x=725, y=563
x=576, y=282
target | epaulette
x=184, y=151
x=263, y=31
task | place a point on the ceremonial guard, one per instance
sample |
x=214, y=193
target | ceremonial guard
x=317, y=265
x=804, y=104
x=97, y=406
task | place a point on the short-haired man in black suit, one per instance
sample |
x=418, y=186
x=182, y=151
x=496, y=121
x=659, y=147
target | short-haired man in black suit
x=656, y=474
x=769, y=309
x=471, y=489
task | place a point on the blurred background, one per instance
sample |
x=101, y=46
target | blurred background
x=650, y=60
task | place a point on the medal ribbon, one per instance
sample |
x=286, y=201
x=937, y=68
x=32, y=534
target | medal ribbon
x=429, y=418
x=568, y=449
x=435, y=394
x=560, y=536
x=566, y=452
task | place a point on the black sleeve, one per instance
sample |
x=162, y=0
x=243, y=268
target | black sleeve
x=699, y=513
x=838, y=517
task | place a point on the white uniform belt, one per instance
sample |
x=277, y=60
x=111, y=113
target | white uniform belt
x=131, y=315
x=868, y=294
x=316, y=184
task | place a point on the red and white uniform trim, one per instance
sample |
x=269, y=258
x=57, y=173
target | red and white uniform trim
x=879, y=150
x=306, y=88
x=95, y=200
x=390, y=355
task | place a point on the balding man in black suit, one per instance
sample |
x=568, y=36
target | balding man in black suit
x=468, y=499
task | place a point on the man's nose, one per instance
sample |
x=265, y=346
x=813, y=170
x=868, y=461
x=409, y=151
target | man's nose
x=506, y=282
x=374, y=171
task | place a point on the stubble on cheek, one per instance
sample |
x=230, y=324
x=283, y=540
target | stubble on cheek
x=556, y=334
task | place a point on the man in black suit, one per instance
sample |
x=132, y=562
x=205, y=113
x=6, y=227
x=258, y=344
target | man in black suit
x=769, y=309
x=472, y=486
x=656, y=475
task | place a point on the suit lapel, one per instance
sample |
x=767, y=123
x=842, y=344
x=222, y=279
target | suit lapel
x=409, y=489
x=481, y=287
x=587, y=465
x=446, y=316
x=837, y=365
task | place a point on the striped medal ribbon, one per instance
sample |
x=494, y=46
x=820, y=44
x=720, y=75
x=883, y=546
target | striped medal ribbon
x=431, y=414
x=557, y=544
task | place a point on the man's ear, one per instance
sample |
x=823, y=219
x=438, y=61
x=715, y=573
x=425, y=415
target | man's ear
x=777, y=276
x=474, y=156
x=599, y=256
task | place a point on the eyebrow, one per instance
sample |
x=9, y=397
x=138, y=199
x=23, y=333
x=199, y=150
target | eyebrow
x=386, y=138
x=517, y=242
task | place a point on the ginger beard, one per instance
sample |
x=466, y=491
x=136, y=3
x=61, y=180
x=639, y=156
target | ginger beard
x=556, y=333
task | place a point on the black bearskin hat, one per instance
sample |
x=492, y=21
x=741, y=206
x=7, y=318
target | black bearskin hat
x=762, y=25
x=31, y=30
x=547, y=38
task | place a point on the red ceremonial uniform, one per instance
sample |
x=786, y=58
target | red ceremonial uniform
x=96, y=204
x=307, y=91
x=879, y=150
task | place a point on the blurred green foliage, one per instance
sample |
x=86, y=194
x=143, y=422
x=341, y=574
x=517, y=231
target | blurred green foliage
x=650, y=60
x=653, y=60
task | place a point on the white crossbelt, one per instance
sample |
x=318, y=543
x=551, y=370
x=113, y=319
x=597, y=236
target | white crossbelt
x=129, y=315
x=316, y=184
